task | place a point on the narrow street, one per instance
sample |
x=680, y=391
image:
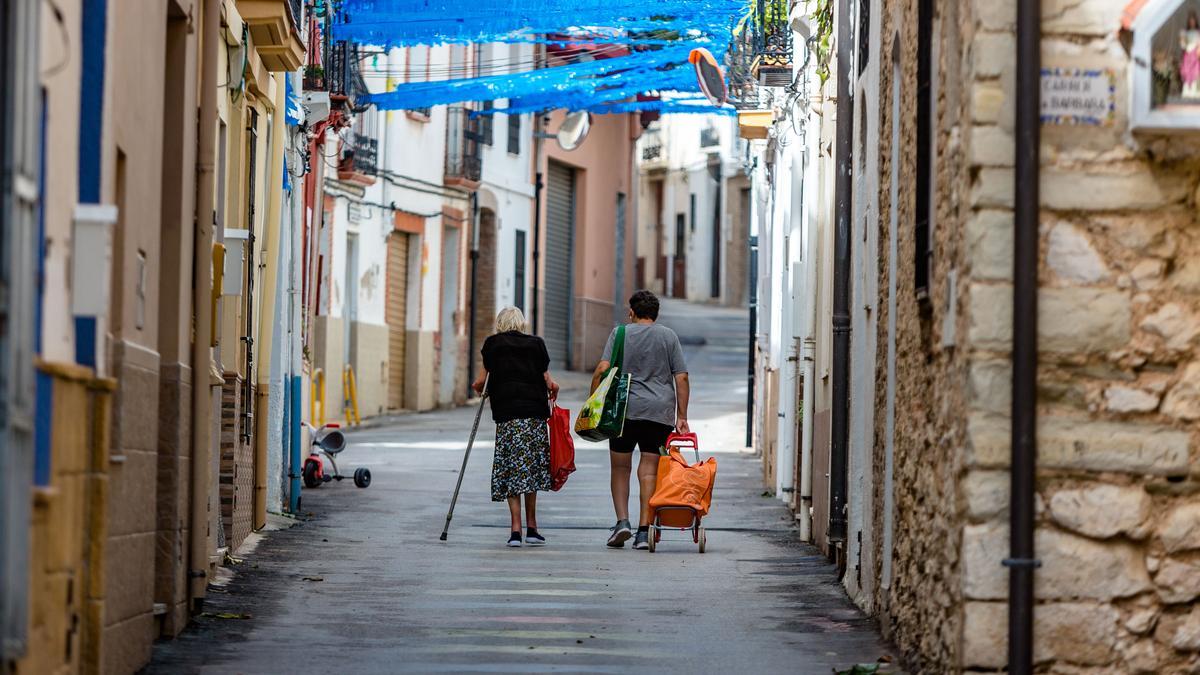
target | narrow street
x=363, y=585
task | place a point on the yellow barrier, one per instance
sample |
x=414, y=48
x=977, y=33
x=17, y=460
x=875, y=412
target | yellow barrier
x=317, y=393
x=350, y=396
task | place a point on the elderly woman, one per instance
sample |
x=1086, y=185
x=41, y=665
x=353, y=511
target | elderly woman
x=516, y=367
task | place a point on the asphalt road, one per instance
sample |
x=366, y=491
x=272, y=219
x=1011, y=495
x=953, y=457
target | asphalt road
x=365, y=586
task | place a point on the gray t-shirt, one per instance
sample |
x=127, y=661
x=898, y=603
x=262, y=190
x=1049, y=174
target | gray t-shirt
x=652, y=358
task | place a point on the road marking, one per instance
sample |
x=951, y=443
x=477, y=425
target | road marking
x=524, y=591
x=547, y=635
x=535, y=650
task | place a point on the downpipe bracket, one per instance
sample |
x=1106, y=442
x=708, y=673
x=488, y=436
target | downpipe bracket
x=1022, y=563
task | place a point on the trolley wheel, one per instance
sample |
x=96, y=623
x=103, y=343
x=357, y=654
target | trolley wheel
x=362, y=477
x=653, y=538
x=311, y=477
x=700, y=543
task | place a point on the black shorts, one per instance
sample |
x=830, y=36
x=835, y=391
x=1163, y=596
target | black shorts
x=646, y=435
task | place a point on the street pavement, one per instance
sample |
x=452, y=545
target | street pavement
x=363, y=585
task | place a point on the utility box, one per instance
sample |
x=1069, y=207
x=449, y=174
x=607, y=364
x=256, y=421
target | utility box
x=91, y=258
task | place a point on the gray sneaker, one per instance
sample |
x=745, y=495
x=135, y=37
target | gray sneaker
x=620, y=534
x=642, y=541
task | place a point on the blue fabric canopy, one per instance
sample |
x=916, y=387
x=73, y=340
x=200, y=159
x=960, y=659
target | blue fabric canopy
x=660, y=35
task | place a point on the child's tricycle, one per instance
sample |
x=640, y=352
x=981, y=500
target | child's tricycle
x=329, y=441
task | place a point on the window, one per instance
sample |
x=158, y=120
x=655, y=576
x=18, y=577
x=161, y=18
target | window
x=519, y=273
x=485, y=123
x=418, y=71
x=923, y=255
x=864, y=32
x=514, y=134
x=680, y=235
x=692, y=211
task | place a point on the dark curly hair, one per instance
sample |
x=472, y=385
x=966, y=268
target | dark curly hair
x=644, y=305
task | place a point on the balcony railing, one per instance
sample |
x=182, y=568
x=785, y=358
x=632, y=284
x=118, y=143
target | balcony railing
x=360, y=159
x=342, y=75
x=761, y=54
x=464, y=157
x=651, y=152
x=772, y=41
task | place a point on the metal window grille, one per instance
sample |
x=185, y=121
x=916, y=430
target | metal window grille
x=514, y=134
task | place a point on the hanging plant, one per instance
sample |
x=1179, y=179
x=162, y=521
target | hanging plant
x=821, y=41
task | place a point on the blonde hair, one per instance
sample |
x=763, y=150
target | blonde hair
x=509, y=319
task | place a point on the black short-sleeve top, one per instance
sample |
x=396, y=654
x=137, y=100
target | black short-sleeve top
x=516, y=364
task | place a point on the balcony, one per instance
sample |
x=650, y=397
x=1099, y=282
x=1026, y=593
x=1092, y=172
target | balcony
x=342, y=76
x=464, y=158
x=651, y=152
x=771, y=40
x=274, y=28
x=360, y=160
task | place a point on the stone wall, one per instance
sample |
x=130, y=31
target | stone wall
x=919, y=598
x=1119, y=318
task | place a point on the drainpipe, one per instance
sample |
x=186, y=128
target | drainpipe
x=474, y=291
x=843, y=186
x=808, y=348
x=1021, y=561
x=202, y=304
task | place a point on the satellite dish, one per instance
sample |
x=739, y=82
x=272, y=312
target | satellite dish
x=708, y=73
x=574, y=129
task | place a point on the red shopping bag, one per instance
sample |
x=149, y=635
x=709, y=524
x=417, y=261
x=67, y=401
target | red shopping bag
x=562, y=448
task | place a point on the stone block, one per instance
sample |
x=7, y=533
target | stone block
x=1133, y=188
x=988, y=441
x=983, y=548
x=1077, y=632
x=134, y=493
x=1142, y=657
x=1180, y=530
x=1129, y=400
x=991, y=146
x=990, y=386
x=1102, y=511
x=1183, y=401
x=1178, y=579
x=1088, y=445
x=129, y=586
x=1183, y=633
x=996, y=16
x=985, y=635
x=1142, y=621
x=1095, y=18
x=1070, y=320
x=990, y=244
x=988, y=99
x=986, y=494
x=993, y=188
x=1175, y=324
x=1075, y=567
x=1083, y=320
x=990, y=322
x=993, y=53
x=1071, y=256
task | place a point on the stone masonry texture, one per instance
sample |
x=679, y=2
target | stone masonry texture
x=1118, y=491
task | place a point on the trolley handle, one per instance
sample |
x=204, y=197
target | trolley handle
x=688, y=440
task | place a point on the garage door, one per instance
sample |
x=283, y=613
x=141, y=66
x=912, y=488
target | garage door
x=397, y=314
x=560, y=227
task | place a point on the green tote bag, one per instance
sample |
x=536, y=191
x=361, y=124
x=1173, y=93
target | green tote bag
x=611, y=422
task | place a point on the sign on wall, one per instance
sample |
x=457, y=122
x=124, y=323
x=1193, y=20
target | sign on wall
x=1078, y=96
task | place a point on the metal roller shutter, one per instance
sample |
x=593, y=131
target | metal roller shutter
x=560, y=228
x=397, y=314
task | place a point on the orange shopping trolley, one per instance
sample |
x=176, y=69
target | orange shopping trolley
x=683, y=494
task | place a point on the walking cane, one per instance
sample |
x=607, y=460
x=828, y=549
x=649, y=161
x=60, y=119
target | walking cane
x=466, y=456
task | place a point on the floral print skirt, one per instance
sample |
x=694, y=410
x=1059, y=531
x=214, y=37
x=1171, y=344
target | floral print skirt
x=522, y=460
